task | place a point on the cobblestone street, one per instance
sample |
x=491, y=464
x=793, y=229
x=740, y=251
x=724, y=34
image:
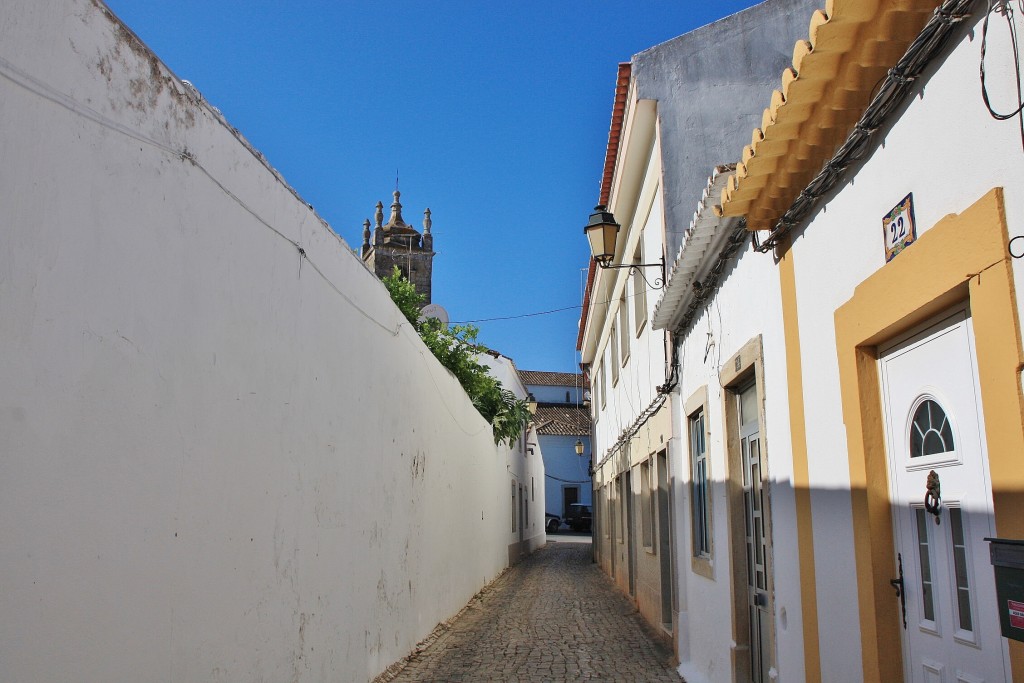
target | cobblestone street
x=552, y=617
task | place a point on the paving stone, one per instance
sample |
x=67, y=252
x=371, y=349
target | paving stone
x=552, y=617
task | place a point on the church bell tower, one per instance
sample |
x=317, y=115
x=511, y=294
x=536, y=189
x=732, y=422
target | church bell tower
x=396, y=243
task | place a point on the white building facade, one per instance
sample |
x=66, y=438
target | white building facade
x=844, y=307
x=671, y=124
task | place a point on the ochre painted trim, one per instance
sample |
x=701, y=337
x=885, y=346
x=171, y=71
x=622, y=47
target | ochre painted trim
x=965, y=256
x=801, y=473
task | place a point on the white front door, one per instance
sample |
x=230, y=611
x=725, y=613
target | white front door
x=757, y=526
x=942, y=506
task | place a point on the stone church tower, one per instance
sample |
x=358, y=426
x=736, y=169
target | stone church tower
x=396, y=243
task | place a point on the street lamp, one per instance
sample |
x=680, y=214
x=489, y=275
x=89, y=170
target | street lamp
x=579, y=448
x=603, y=232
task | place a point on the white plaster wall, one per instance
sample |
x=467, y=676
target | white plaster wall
x=746, y=305
x=645, y=368
x=948, y=151
x=523, y=468
x=218, y=460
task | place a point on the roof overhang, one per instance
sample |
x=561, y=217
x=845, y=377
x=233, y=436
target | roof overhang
x=851, y=46
x=698, y=252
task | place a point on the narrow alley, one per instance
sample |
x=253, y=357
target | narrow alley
x=552, y=617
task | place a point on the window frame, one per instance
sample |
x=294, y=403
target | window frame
x=639, y=291
x=613, y=351
x=701, y=554
x=623, y=315
x=515, y=508
x=646, y=507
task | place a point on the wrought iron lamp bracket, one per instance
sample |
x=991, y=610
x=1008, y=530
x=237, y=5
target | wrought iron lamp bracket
x=659, y=282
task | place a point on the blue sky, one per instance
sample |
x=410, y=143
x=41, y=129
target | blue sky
x=494, y=115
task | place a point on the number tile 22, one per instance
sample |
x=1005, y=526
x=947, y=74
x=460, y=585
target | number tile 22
x=898, y=228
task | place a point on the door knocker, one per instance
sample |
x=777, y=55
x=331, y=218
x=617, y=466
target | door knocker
x=933, y=497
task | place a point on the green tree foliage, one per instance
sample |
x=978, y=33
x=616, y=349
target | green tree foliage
x=457, y=349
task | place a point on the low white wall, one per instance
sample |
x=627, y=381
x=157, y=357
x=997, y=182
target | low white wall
x=219, y=460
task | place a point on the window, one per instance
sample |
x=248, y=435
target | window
x=620, y=508
x=522, y=508
x=639, y=293
x=600, y=387
x=699, y=487
x=646, y=506
x=624, y=327
x=930, y=433
x=515, y=510
x=963, y=589
x=606, y=497
x=614, y=359
x=925, y=556
x=627, y=507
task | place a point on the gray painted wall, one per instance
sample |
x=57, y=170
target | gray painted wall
x=712, y=86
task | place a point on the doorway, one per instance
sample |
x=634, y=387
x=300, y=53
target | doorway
x=627, y=494
x=941, y=500
x=664, y=541
x=757, y=525
x=570, y=496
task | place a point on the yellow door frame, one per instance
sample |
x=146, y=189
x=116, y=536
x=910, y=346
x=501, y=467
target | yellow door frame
x=963, y=257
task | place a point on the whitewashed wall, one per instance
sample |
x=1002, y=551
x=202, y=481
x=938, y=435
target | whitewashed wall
x=948, y=151
x=746, y=305
x=524, y=463
x=219, y=460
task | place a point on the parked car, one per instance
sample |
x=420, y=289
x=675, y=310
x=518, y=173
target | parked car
x=552, y=522
x=579, y=517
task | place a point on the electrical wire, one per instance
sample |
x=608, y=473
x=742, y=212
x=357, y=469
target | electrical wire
x=554, y=310
x=1006, y=9
x=566, y=481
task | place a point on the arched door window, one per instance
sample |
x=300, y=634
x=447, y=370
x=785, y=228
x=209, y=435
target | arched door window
x=930, y=430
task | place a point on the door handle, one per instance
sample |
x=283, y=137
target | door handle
x=901, y=593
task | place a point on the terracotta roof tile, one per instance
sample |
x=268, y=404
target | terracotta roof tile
x=610, y=155
x=559, y=419
x=551, y=379
x=850, y=47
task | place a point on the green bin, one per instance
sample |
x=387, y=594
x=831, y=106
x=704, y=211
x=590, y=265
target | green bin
x=1008, y=563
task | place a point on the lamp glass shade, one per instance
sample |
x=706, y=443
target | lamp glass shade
x=579, y=447
x=602, y=231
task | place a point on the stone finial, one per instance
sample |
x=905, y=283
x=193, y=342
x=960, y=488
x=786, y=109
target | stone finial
x=426, y=222
x=396, y=211
x=366, y=232
x=379, y=215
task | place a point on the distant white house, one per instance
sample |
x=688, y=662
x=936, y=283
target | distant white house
x=561, y=421
x=525, y=465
